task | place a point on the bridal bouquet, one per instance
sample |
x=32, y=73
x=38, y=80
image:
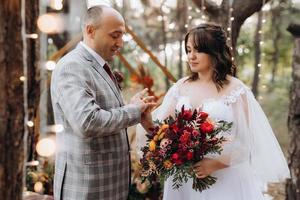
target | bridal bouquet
x=174, y=145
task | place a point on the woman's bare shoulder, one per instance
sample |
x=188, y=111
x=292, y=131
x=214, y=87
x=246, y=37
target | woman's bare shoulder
x=234, y=82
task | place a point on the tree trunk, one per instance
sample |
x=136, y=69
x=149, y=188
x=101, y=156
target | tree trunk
x=32, y=13
x=257, y=39
x=11, y=94
x=11, y=101
x=293, y=185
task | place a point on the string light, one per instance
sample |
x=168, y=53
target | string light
x=50, y=65
x=32, y=36
x=203, y=8
x=50, y=41
x=172, y=26
x=33, y=163
x=57, y=128
x=230, y=20
x=263, y=20
x=30, y=124
x=22, y=78
x=159, y=18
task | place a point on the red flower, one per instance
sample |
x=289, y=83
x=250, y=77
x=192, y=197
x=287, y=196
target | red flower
x=174, y=128
x=175, y=156
x=206, y=127
x=202, y=115
x=187, y=114
x=185, y=137
x=178, y=162
x=189, y=155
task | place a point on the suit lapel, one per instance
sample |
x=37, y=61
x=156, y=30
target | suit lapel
x=107, y=78
x=102, y=73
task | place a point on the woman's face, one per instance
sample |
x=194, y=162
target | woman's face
x=198, y=61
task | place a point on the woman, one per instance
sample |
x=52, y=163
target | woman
x=251, y=157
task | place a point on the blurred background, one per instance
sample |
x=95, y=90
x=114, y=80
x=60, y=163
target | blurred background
x=34, y=35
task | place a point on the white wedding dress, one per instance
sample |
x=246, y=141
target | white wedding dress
x=252, y=151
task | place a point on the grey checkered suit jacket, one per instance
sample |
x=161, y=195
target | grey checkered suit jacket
x=92, y=160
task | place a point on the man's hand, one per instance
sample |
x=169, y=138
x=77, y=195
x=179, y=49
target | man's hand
x=143, y=101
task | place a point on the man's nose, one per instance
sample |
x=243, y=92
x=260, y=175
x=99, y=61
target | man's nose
x=120, y=43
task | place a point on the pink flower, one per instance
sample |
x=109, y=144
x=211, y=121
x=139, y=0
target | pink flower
x=195, y=133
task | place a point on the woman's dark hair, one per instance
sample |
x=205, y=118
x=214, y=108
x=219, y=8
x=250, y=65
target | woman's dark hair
x=211, y=39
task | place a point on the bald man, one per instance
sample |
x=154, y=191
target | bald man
x=92, y=160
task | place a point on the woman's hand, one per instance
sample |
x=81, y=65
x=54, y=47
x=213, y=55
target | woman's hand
x=146, y=118
x=207, y=166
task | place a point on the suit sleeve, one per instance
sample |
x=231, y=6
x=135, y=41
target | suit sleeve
x=79, y=106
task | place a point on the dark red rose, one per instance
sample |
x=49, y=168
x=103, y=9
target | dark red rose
x=189, y=155
x=206, y=127
x=202, y=115
x=187, y=114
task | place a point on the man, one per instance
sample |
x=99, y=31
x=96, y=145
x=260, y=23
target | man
x=93, y=161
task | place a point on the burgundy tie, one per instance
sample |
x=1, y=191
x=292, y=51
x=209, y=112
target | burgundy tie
x=109, y=72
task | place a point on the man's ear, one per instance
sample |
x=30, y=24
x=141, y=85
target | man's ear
x=90, y=30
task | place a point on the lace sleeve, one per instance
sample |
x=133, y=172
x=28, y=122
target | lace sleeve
x=253, y=140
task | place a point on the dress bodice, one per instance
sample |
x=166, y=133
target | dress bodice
x=218, y=109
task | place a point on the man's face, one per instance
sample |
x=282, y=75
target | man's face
x=107, y=38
